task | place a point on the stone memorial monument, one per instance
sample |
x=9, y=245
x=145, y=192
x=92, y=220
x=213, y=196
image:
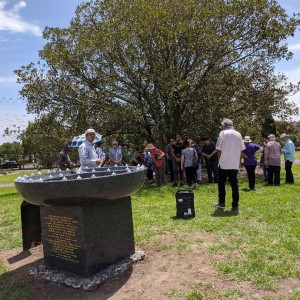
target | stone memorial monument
x=86, y=215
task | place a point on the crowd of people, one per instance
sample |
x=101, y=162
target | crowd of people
x=183, y=159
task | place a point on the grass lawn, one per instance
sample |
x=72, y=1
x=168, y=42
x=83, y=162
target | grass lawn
x=261, y=244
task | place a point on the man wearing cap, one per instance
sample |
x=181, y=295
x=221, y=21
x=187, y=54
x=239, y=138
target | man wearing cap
x=288, y=152
x=272, y=154
x=230, y=146
x=250, y=161
x=87, y=153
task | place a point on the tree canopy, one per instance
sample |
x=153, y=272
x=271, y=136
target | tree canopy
x=11, y=151
x=157, y=67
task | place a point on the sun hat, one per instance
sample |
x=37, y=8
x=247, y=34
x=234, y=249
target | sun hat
x=271, y=137
x=247, y=139
x=90, y=130
x=283, y=135
x=150, y=147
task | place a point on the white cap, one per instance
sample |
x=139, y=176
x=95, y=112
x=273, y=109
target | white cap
x=90, y=130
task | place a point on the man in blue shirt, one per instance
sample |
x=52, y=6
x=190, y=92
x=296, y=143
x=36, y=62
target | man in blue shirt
x=87, y=153
x=288, y=151
x=115, y=154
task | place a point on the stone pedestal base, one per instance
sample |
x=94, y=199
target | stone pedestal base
x=31, y=225
x=84, y=239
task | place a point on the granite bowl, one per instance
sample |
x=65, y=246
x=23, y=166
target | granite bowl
x=80, y=186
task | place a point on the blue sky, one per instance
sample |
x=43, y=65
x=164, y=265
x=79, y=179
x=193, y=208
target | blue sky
x=21, y=26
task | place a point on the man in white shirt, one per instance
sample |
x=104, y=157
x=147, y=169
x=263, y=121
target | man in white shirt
x=230, y=146
x=87, y=153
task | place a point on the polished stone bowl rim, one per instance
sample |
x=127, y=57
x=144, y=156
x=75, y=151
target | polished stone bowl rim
x=42, y=191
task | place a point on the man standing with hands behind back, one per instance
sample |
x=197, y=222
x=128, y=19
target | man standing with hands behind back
x=272, y=160
x=230, y=146
x=176, y=157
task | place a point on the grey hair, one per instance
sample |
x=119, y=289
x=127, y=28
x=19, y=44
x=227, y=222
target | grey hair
x=272, y=137
x=227, y=123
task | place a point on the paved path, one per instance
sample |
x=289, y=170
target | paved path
x=7, y=185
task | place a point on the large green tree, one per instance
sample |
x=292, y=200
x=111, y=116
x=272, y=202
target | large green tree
x=156, y=67
x=44, y=139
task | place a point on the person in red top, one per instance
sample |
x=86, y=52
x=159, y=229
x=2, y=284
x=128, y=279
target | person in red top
x=158, y=159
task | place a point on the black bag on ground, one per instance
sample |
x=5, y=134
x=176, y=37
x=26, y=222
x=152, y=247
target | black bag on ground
x=185, y=204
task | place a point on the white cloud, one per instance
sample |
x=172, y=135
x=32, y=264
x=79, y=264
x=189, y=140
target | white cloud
x=12, y=21
x=8, y=80
x=19, y=6
x=295, y=47
x=293, y=75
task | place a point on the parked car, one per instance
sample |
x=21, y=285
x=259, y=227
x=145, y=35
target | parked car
x=10, y=165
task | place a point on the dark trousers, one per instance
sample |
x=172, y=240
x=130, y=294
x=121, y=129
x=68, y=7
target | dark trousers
x=177, y=170
x=160, y=175
x=190, y=173
x=274, y=175
x=149, y=174
x=265, y=170
x=170, y=166
x=212, y=168
x=289, y=178
x=251, y=175
x=232, y=177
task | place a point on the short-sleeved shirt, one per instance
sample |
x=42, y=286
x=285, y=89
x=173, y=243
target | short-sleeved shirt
x=208, y=149
x=250, y=150
x=155, y=153
x=178, y=147
x=231, y=144
x=189, y=154
x=115, y=154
